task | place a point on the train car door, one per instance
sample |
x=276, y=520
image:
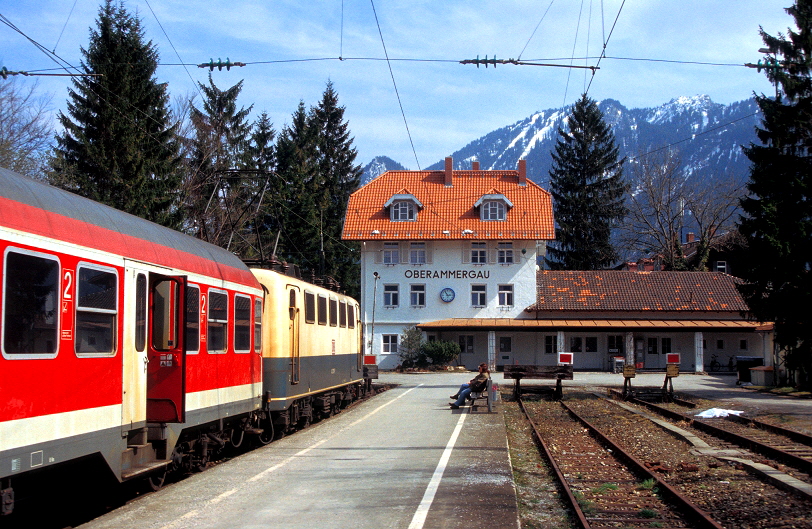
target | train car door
x=166, y=367
x=293, y=311
x=136, y=292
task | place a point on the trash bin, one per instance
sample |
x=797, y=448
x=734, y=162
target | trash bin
x=743, y=365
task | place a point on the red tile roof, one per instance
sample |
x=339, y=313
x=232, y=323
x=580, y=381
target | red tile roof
x=625, y=291
x=451, y=208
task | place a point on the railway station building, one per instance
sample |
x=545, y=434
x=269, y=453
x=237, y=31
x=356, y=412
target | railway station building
x=456, y=252
x=447, y=244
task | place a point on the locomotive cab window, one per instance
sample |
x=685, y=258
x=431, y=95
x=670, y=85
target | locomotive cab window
x=242, y=324
x=96, y=310
x=192, y=343
x=218, y=321
x=30, y=302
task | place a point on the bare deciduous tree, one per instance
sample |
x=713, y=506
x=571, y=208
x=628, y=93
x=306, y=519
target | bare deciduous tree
x=664, y=203
x=25, y=127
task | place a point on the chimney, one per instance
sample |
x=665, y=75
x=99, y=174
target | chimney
x=475, y=165
x=449, y=171
x=522, y=172
x=690, y=237
x=632, y=267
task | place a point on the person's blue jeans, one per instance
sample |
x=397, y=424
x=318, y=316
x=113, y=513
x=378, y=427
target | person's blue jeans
x=462, y=387
x=463, y=394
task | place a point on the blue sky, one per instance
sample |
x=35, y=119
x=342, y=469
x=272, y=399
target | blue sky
x=446, y=104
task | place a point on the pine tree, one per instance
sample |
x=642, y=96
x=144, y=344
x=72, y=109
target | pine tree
x=217, y=198
x=777, y=221
x=296, y=155
x=262, y=160
x=119, y=147
x=587, y=189
x=315, y=163
x=338, y=176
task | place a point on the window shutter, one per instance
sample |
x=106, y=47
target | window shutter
x=466, y=252
x=405, y=251
x=429, y=252
x=492, y=252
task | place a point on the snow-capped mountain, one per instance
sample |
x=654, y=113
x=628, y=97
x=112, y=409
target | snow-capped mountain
x=707, y=136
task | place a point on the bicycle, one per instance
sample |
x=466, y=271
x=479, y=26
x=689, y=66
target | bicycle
x=714, y=364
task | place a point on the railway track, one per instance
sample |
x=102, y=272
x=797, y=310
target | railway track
x=783, y=447
x=605, y=485
x=710, y=491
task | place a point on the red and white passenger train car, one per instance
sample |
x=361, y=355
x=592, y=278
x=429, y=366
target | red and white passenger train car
x=118, y=337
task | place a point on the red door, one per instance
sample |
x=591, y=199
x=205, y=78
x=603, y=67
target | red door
x=166, y=371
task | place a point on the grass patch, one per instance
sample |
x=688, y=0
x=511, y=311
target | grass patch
x=605, y=487
x=647, y=484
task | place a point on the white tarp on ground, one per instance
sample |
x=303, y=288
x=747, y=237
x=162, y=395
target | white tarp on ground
x=717, y=412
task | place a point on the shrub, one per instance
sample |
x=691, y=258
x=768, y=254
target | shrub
x=441, y=352
x=410, y=348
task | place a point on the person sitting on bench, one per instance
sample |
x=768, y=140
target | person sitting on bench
x=477, y=384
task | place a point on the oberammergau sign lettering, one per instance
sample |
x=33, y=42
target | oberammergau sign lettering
x=447, y=274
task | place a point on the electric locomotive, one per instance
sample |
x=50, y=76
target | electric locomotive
x=312, y=357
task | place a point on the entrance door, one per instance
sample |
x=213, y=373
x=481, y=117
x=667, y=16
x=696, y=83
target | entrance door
x=166, y=370
x=294, y=338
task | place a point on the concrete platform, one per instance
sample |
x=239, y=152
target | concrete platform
x=400, y=460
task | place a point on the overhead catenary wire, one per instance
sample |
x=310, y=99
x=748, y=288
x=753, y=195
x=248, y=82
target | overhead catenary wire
x=64, y=26
x=572, y=60
x=391, y=73
x=544, y=61
x=173, y=48
x=536, y=28
x=606, y=42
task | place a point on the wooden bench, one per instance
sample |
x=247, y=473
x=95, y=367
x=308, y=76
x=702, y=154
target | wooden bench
x=557, y=373
x=476, y=396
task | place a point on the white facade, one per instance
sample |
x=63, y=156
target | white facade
x=497, y=283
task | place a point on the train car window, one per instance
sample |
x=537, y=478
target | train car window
x=322, y=310
x=333, y=313
x=310, y=307
x=140, y=312
x=96, y=309
x=30, y=302
x=192, y=337
x=351, y=316
x=165, y=315
x=242, y=324
x=218, y=321
x=257, y=325
x=342, y=313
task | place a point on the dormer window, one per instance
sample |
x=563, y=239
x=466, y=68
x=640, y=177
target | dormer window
x=493, y=211
x=493, y=207
x=400, y=211
x=403, y=207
